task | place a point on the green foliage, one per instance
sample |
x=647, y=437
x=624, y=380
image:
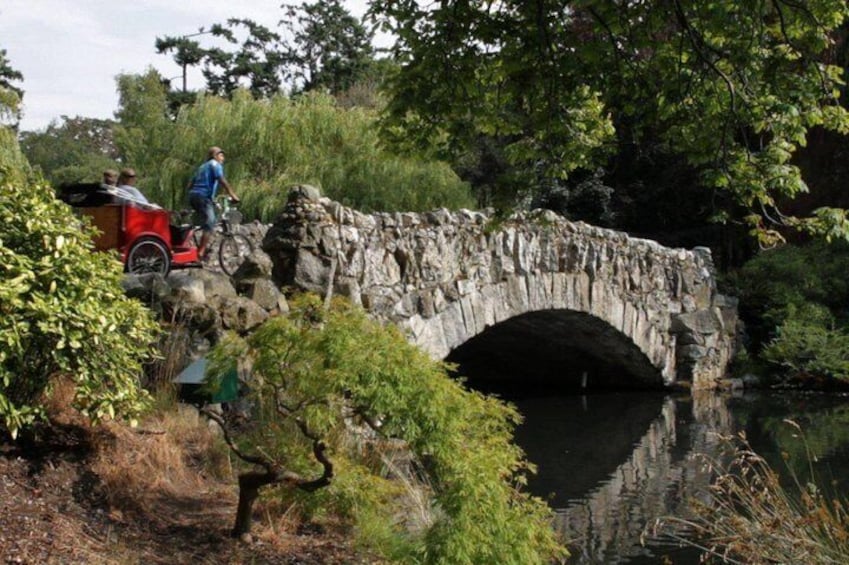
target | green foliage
x=272, y=145
x=334, y=372
x=792, y=276
x=73, y=150
x=330, y=50
x=63, y=312
x=809, y=349
x=14, y=167
x=794, y=302
x=142, y=116
x=732, y=86
x=10, y=94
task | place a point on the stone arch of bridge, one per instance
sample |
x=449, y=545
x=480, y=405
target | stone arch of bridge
x=556, y=348
x=563, y=311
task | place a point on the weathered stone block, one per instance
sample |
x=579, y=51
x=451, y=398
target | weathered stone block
x=701, y=321
x=262, y=291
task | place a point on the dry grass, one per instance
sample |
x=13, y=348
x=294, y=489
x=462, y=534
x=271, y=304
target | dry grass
x=749, y=517
x=172, y=354
x=170, y=454
x=162, y=493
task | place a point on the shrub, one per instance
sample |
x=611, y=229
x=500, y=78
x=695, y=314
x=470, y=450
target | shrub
x=63, y=312
x=794, y=301
x=805, y=348
x=792, y=276
x=317, y=375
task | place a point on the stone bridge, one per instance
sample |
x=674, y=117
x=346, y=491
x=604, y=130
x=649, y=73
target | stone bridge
x=534, y=296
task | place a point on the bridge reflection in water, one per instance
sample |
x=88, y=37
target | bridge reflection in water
x=611, y=464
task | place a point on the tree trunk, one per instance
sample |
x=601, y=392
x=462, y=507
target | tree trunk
x=249, y=485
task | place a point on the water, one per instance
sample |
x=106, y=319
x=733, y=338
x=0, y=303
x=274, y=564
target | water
x=611, y=464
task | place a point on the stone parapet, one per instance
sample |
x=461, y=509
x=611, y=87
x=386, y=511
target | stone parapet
x=446, y=276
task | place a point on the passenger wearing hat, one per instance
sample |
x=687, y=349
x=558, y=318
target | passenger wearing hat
x=202, y=191
x=126, y=191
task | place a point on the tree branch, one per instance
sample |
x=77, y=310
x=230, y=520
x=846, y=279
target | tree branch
x=264, y=462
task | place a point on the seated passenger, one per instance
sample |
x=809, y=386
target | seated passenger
x=110, y=179
x=127, y=193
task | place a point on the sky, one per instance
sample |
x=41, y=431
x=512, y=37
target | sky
x=70, y=51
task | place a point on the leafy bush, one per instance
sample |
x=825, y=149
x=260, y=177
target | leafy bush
x=795, y=302
x=809, y=349
x=62, y=312
x=792, y=276
x=333, y=384
x=13, y=164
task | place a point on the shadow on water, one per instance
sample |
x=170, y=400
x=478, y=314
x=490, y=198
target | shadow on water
x=614, y=452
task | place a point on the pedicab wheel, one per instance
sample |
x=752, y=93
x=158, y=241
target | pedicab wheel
x=233, y=251
x=148, y=255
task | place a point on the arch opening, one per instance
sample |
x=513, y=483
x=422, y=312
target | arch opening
x=557, y=351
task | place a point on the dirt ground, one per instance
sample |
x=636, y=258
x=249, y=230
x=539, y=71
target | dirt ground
x=74, y=497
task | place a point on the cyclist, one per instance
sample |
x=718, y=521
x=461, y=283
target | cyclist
x=202, y=190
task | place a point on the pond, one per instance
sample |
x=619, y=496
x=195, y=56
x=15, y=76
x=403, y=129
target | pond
x=610, y=464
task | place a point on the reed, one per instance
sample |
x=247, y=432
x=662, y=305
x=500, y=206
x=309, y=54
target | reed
x=749, y=515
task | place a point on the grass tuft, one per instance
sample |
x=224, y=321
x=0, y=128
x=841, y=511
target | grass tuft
x=749, y=515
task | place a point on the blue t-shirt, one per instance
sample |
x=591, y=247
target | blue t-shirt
x=205, y=182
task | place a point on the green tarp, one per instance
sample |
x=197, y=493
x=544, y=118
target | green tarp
x=192, y=380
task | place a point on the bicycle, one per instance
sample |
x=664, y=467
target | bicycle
x=233, y=247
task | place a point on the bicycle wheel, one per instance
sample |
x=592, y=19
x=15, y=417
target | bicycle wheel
x=232, y=252
x=148, y=255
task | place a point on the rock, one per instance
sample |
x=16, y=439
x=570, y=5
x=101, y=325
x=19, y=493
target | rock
x=214, y=284
x=311, y=272
x=256, y=265
x=148, y=287
x=201, y=317
x=240, y=314
x=731, y=384
x=186, y=288
x=306, y=191
x=698, y=322
x=264, y=293
x=446, y=276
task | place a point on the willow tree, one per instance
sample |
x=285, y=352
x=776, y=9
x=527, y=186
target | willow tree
x=733, y=87
x=273, y=144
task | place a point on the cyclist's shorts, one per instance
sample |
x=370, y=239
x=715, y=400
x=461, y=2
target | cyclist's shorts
x=204, y=211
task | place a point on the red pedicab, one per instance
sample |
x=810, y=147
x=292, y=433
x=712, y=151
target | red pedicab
x=144, y=236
